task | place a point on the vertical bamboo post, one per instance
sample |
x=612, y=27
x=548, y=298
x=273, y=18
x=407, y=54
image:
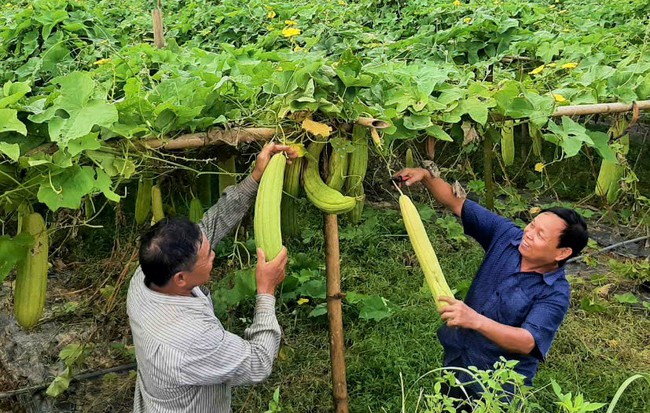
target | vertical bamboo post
x=158, y=36
x=488, y=154
x=335, y=314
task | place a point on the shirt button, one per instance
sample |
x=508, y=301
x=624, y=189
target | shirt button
x=497, y=293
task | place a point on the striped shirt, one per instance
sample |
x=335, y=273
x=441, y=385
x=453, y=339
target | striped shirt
x=187, y=361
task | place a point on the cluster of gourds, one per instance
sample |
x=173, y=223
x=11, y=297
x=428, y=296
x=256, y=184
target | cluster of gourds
x=275, y=206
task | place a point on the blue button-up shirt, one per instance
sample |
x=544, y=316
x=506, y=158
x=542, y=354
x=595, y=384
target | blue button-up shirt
x=502, y=292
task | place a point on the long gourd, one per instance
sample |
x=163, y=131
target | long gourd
x=31, y=278
x=291, y=186
x=424, y=251
x=268, y=234
x=357, y=168
x=322, y=196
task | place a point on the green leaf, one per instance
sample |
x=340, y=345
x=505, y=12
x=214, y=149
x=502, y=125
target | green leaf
x=67, y=188
x=437, y=132
x=627, y=298
x=71, y=353
x=83, y=110
x=570, y=136
x=60, y=383
x=50, y=19
x=9, y=122
x=376, y=308
x=12, y=250
x=111, y=164
x=601, y=144
x=592, y=306
x=84, y=143
x=13, y=92
x=12, y=150
x=417, y=122
x=478, y=109
x=103, y=184
x=320, y=309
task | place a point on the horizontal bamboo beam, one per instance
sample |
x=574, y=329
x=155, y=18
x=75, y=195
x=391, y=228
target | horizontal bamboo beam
x=212, y=137
x=580, y=110
x=232, y=136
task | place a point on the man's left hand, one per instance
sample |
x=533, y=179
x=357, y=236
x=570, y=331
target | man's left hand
x=267, y=153
x=458, y=314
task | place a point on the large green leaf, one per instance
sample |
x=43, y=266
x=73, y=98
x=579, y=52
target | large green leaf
x=66, y=189
x=77, y=109
x=12, y=250
x=9, y=122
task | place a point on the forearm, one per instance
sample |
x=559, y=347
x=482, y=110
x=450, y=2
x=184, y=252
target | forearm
x=512, y=339
x=264, y=337
x=443, y=193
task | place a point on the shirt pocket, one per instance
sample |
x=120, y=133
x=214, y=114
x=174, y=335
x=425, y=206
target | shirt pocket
x=514, y=307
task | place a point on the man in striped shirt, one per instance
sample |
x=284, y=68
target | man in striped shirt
x=187, y=361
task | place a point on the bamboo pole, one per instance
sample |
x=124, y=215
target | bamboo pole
x=158, y=35
x=488, y=155
x=335, y=314
x=212, y=137
x=600, y=108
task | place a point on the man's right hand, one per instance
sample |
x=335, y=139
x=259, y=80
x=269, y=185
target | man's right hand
x=410, y=176
x=270, y=274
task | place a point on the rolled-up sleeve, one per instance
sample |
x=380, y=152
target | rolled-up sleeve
x=482, y=224
x=220, y=357
x=544, y=320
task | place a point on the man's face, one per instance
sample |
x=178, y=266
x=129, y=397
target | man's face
x=541, y=239
x=200, y=274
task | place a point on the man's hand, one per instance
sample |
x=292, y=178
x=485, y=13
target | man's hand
x=265, y=156
x=410, y=176
x=270, y=274
x=458, y=314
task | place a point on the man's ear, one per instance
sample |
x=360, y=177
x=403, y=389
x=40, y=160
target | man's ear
x=180, y=279
x=563, y=254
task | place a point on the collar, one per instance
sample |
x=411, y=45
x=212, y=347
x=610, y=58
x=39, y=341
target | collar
x=549, y=277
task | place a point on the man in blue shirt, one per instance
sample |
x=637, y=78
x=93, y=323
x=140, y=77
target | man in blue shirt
x=520, y=294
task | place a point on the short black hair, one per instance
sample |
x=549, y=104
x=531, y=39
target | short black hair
x=170, y=246
x=575, y=235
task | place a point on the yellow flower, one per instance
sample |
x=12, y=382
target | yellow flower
x=271, y=14
x=539, y=167
x=559, y=98
x=303, y=301
x=297, y=49
x=552, y=6
x=551, y=64
x=290, y=23
x=566, y=30
x=101, y=62
x=457, y=3
x=535, y=210
x=569, y=66
x=467, y=20
x=537, y=70
x=290, y=32
x=342, y=3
